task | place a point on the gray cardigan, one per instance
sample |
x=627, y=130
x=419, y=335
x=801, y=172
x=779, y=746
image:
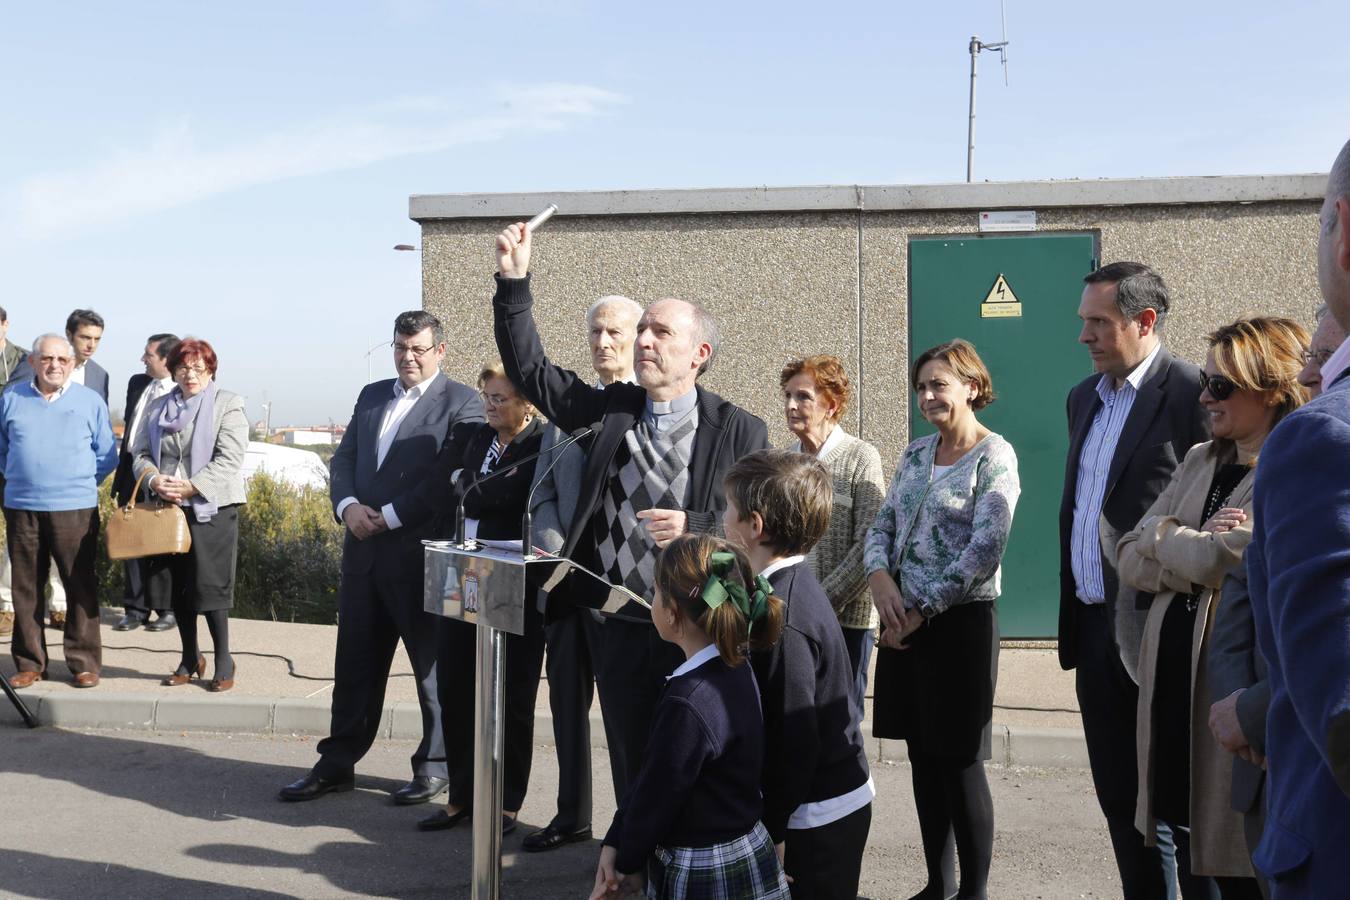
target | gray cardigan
x=555, y=495
x=222, y=481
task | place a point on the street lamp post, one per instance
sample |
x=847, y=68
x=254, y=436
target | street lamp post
x=368, y=353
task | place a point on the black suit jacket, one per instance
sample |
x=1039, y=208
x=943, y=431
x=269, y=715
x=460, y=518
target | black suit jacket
x=725, y=431
x=123, y=480
x=1165, y=422
x=96, y=379
x=407, y=478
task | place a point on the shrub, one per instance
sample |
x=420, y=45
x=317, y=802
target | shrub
x=290, y=554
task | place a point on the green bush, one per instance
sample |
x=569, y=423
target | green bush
x=290, y=554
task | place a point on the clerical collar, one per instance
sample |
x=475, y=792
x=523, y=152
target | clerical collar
x=658, y=409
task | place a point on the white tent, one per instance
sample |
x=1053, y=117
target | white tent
x=296, y=467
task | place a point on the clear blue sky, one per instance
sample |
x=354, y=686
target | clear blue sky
x=240, y=171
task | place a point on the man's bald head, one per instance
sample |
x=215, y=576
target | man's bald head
x=1333, y=240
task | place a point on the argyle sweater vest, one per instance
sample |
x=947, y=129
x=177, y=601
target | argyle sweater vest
x=650, y=472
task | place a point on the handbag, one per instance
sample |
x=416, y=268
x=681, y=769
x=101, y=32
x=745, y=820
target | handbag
x=151, y=530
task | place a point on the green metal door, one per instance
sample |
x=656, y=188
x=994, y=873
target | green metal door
x=1032, y=353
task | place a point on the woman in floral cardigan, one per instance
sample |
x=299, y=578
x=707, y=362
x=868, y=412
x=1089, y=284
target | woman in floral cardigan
x=932, y=559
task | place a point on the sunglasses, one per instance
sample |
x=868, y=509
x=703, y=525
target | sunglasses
x=1220, y=387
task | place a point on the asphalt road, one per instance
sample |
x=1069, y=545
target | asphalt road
x=150, y=815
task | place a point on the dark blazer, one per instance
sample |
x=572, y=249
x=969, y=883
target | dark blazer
x=725, y=431
x=405, y=479
x=1298, y=571
x=1165, y=422
x=123, y=480
x=1236, y=665
x=499, y=504
x=96, y=379
x=813, y=748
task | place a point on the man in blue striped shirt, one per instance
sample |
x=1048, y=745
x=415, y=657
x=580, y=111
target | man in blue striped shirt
x=1129, y=425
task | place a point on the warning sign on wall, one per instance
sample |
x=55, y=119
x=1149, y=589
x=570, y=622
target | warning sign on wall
x=1000, y=302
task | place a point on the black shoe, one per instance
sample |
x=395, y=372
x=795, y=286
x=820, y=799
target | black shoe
x=508, y=824
x=552, y=837
x=163, y=623
x=312, y=786
x=129, y=622
x=421, y=789
x=442, y=819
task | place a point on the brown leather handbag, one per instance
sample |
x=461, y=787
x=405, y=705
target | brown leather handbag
x=151, y=530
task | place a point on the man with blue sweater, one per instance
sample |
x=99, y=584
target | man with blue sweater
x=56, y=446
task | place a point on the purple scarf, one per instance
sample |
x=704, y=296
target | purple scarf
x=173, y=417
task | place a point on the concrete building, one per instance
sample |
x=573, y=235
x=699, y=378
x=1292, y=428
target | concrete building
x=864, y=271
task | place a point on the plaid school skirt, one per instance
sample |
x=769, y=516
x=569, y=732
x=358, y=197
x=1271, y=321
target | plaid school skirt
x=744, y=869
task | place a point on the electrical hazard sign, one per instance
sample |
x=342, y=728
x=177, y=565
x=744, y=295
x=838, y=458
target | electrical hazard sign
x=1001, y=302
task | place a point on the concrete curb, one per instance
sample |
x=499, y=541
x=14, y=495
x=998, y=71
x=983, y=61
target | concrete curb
x=1057, y=748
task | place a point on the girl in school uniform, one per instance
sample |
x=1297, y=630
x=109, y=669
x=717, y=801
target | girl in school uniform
x=690, y=822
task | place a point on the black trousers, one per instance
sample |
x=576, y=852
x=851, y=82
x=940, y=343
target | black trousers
x=134, y=600
x=374, y=613
x=522, y=659
x=826, y=862
x=631, y=676
x=1108, y=700
x=574, y=647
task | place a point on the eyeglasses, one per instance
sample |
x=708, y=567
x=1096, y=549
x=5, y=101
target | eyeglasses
x=63, y=360
x=1220, y=387
x=417, y=352
x=199, y=371
x=1319, y=357
x=495, y=399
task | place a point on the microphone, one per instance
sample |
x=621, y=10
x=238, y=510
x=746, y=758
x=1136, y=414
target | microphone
x=481, y=478
x=527, y=521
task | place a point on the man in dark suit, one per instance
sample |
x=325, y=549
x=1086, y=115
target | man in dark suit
x=384, y=491
x=1129, y=425
x=142, y=390
x=653, y=472
x=84, y=330
x=1298, y=570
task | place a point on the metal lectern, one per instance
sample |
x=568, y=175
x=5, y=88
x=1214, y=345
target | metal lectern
x=489, y=586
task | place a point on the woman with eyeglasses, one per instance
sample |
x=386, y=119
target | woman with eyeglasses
x=1195, y=532
x=493, y=510
x=192, y=452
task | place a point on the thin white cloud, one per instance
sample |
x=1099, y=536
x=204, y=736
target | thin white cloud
x=177, y=167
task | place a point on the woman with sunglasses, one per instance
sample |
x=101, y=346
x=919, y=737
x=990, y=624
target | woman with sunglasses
x=1194, y=533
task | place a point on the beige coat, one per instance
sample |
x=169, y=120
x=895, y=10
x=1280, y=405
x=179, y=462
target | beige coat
x=1166, y=554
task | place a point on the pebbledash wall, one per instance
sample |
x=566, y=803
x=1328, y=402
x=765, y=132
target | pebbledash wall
x=791, y=271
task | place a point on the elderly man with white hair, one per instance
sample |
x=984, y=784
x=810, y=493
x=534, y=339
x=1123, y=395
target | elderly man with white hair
x=575, y=638
x=56, y=446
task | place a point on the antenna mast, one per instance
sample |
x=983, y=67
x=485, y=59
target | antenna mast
x=976, y=45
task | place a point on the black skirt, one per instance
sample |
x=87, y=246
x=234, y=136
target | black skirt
x=201, y=580
x=939, y=694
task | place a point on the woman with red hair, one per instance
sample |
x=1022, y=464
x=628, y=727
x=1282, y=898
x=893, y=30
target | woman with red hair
x=191, y=452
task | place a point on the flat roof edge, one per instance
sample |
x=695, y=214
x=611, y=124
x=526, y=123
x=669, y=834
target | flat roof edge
x=885, y=197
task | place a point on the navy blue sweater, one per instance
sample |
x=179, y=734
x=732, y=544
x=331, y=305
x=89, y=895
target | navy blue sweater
x=813, y=748
x=699, y=784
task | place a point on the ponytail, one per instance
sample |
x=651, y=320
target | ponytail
x=708, y=581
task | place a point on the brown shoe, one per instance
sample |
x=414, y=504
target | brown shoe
x=175, y=679
x=59, y=619
x=85, y=680
x=6, y=623
x=219, y=685
x=26, y=679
